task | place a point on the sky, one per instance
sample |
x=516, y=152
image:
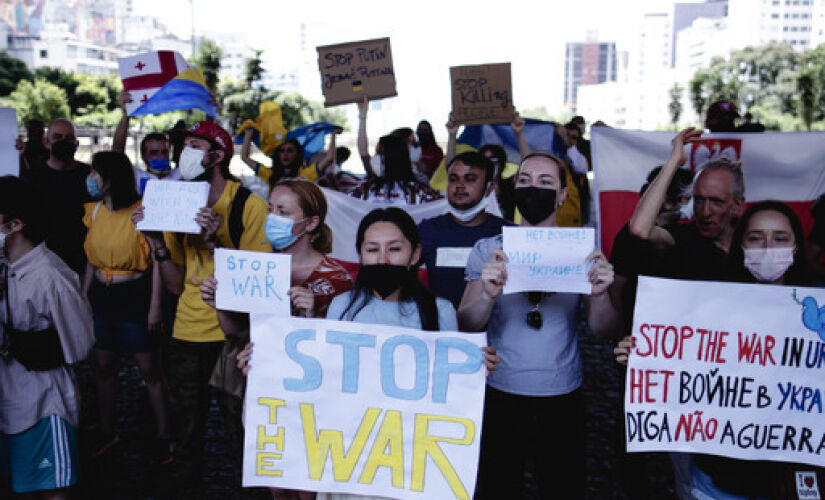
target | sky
x=427, y=37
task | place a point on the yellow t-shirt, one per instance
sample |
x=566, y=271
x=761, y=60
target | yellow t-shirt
x=113, y=243
x=196, y=321
x=309, y=172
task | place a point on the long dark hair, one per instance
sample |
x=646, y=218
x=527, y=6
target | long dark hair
x=412, y=289
x=281, y=171
x=397, y=165
x=425, y=136
x=115, y=167
x=796, y=274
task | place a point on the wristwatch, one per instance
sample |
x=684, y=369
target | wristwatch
x=161, y=254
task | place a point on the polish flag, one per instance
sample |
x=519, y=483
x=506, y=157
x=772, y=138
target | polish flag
x=782, y=166
x=144, y=74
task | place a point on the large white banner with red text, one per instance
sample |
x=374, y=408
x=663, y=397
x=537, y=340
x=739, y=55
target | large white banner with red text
x=727, y=369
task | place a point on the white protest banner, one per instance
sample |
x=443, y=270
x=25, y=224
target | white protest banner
x=335, y=406
x=727, y=369
x=548, y=259
x=172, y=205
x=254, y=282
x=9, y=156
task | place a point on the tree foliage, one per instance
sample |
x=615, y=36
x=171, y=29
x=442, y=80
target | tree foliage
x=254, y=69
x=783, y=88
x=40, y=100
x=209, y=61
x=675, y=106
x=12, y=71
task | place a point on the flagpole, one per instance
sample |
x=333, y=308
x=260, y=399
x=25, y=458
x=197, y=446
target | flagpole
x=192, y=12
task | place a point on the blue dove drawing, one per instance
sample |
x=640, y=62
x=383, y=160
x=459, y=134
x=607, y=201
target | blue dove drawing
x=813, y=316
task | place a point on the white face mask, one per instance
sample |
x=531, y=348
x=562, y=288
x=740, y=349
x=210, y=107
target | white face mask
x=415, y=153
x=377, y=164
x=768, y=264
x=469, y=214
x=191, y=163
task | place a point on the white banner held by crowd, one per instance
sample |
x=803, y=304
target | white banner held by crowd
x=548, y=259
x=252, y=281
x=344, y=213
x=727, y=369
x=172, y=205
x=335, y=406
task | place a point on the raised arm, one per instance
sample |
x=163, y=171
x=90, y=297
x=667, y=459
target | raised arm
x=643, y=222
x=246, y=147
x=363, y=142
x=329, y=159
x=518, y=128
x=452, y=139
x=122, y=129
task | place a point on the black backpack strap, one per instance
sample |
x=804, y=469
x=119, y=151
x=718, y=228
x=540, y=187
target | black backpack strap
x=236, y=216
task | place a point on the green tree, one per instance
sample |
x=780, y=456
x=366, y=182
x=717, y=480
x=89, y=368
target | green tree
x=254, y=69
x=40, y=100
x=209, y=61
x=675, y=106
x=12, y=71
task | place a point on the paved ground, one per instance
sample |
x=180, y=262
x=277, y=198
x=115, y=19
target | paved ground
x=127, y=471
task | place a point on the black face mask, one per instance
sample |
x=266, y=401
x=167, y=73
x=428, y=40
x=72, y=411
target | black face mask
x=385, y=278
x=535, y=204
x=64, y=150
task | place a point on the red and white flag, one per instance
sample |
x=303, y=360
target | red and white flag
x=144, y=74
x=782, y=166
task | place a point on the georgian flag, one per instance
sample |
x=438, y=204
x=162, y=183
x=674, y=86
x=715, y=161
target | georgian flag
x=781, y=166
x=144, y=74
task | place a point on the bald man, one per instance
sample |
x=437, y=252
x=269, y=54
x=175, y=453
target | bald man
x=62, y=179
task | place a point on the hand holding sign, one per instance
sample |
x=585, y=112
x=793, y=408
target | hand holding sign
x=601, y=272
x=494, y=274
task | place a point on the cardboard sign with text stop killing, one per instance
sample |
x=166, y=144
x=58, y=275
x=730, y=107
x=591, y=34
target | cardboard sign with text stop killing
x=482, y=94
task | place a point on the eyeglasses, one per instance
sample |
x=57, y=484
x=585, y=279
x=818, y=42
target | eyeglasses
x=533, y=318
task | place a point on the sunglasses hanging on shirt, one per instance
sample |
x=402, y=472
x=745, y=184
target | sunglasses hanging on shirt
x=533, y=318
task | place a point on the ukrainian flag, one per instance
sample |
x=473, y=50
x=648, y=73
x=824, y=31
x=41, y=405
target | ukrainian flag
x=185, y=91
x=269, y=131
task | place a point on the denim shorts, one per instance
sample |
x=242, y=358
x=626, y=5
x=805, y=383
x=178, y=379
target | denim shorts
x=121, y=314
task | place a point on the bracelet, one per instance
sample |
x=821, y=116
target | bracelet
x=362, y=116
x=161, y=254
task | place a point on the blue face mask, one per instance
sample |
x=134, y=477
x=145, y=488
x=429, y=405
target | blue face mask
x=159, y=165
x=278, y=231
x=92, y=187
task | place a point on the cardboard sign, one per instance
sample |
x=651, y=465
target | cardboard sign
x=727, y=369
x=336, y=406
x=482, y=94
x=548, y=259
x=252, y=281
x=351, y=71
x=172, y=205
x=9, y=156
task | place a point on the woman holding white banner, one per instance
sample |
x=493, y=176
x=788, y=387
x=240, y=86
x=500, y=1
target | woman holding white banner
x=765, y=248
x=387, y=290
x=533, y=397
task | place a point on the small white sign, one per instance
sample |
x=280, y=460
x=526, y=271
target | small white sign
x=806, y=486
x=452, y=256
x=548, y=259
x=172, y=205
x=9, y=157
x=254, y=282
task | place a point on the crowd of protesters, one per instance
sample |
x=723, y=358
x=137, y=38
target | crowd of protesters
x=79, y=282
